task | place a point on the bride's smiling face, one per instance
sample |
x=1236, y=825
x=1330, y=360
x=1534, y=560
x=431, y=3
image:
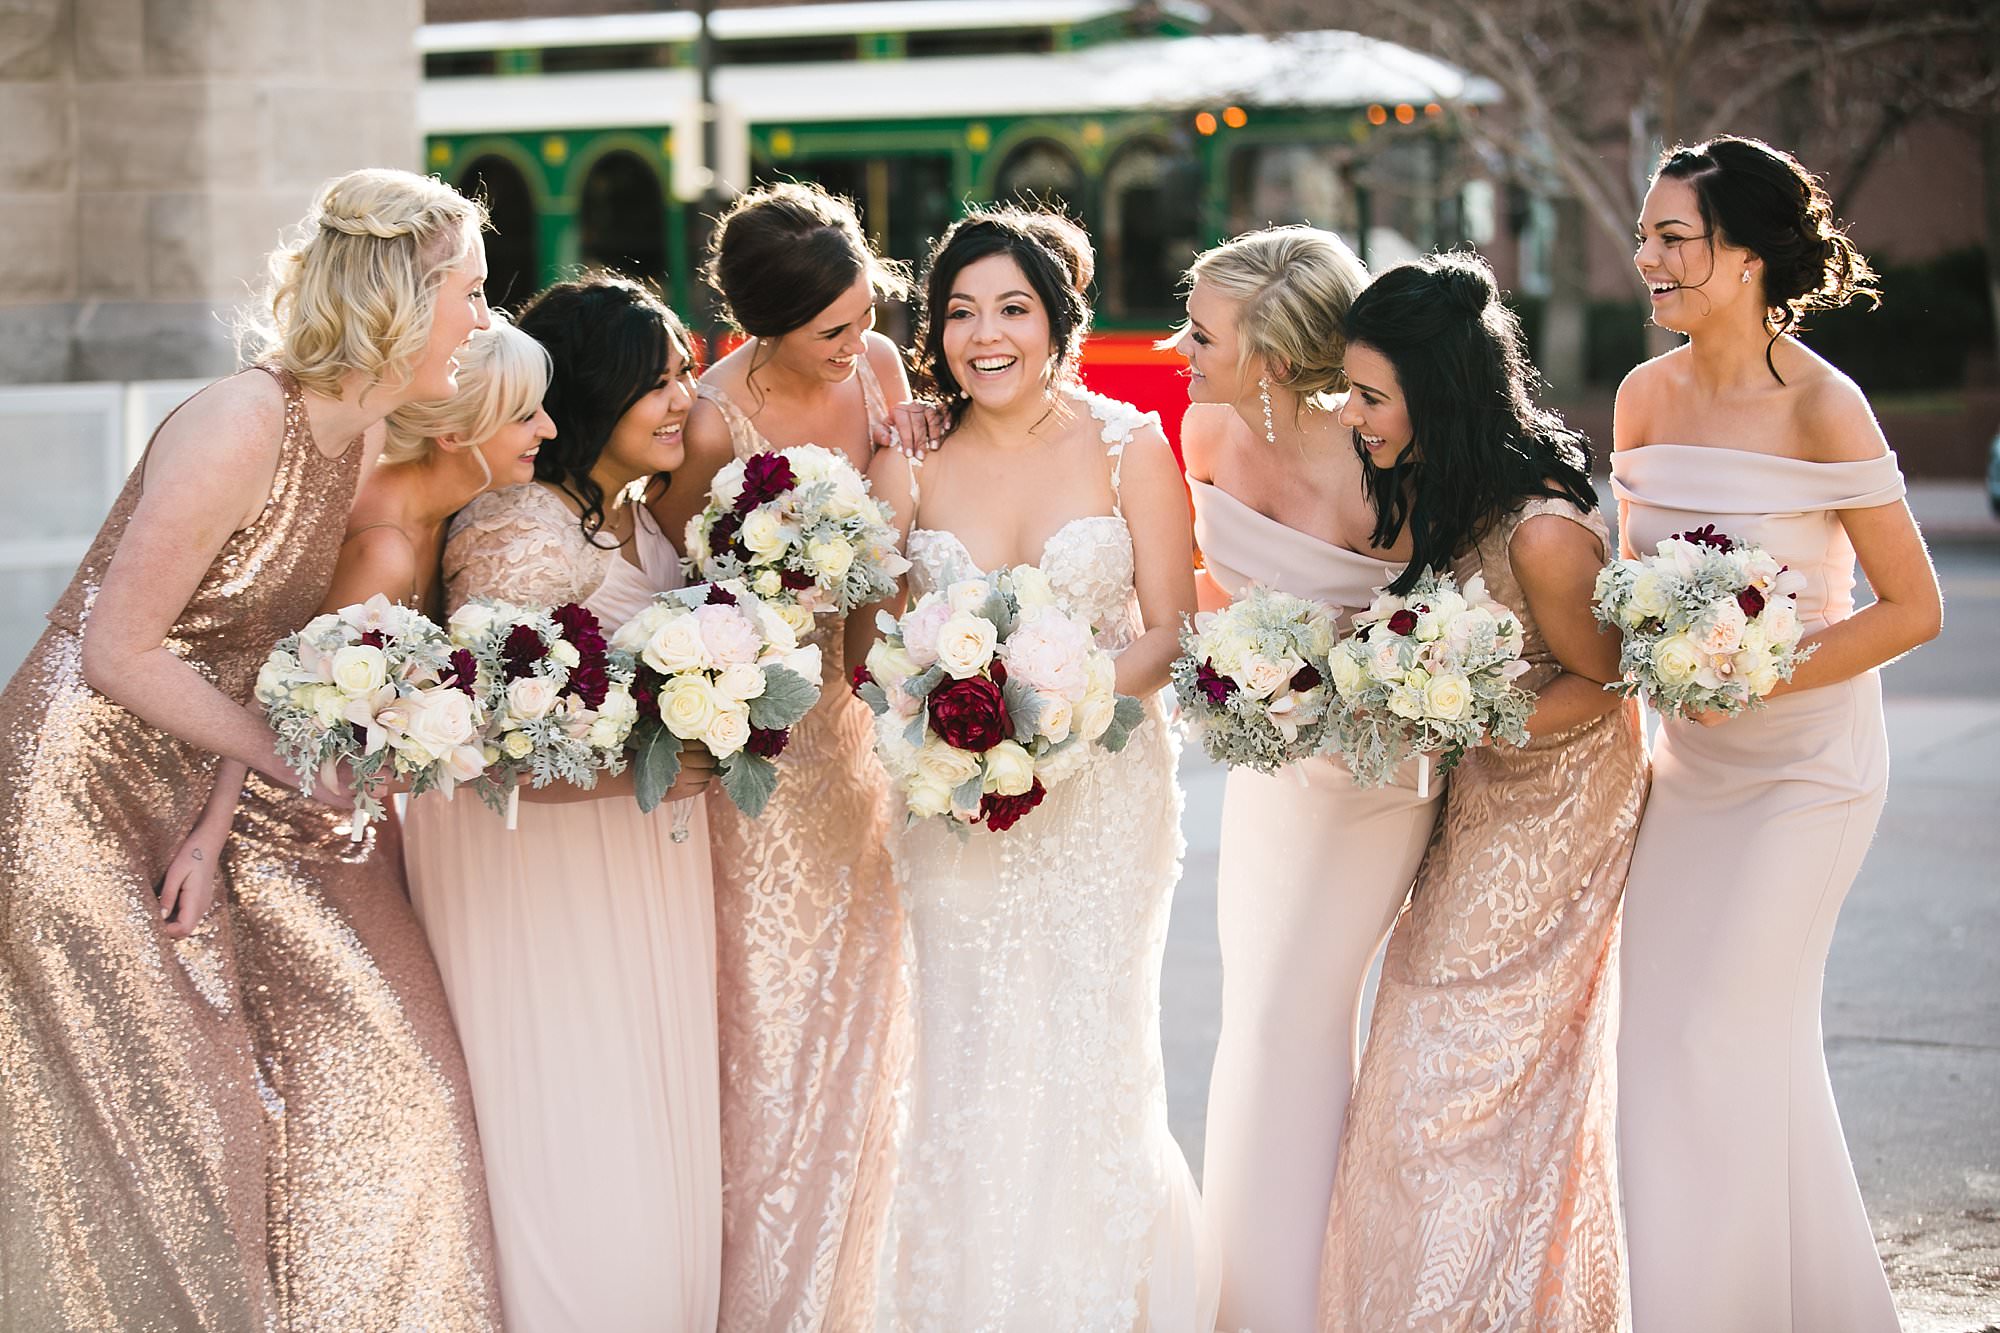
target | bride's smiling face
x=997, y=337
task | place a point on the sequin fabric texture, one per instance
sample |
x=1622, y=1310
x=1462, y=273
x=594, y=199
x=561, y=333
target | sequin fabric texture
x=813, y=1008
x=1039, y=1187
x=134, y=1126
x=1477, y=1187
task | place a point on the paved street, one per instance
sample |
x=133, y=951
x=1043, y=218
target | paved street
x=1913, y=985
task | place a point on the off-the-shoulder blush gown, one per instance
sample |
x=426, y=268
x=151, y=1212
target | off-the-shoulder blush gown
x=1741, y=1204
x=1312, y=873
x=1478, y=1185
x=578, y=952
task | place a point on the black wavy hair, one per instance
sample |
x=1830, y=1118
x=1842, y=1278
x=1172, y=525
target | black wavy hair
x=607, y=337
x=1480, y=445
x=1047, y=255
x=1760, y=199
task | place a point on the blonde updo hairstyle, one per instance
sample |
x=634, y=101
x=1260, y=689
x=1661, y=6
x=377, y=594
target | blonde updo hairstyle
x=502, y=377
x=1293, y=286
x=353, y=291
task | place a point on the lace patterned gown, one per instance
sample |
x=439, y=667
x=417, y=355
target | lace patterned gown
x=1477, y=1188
x=579, y=955
x=134, y=1125
x=1312, y=872
x=815, y=1017
x=1740, y=1199
x=1039, y=1187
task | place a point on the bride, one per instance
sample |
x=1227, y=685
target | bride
x=1039, y=1187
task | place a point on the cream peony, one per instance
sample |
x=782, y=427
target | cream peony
x=1048, y=652
x=728, y=634
x=1725, y=628
x=920, y=628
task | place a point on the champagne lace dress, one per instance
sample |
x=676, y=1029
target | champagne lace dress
x=1477, y=1186
x=1039, y=1187
x=815, y=1020
x=579, y=955
x=1312, y=873
x=134, y=1125
x=1741, y=1202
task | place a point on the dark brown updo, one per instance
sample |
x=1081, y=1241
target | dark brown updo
x=1761, y=199
x=785, y=252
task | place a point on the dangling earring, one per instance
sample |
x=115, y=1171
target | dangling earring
x=1264, y=396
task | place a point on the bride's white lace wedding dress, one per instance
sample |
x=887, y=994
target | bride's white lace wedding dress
x=1039, y=1188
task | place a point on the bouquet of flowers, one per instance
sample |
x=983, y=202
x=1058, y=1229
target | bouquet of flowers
x=1252, y=678
x=798, y=525
x=1433, y=669
x=715, y=665
x=986, y=694
x=1710, y=625
x=557, y=706
x=378, y=687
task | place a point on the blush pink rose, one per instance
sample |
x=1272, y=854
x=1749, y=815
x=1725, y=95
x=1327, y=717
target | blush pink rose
x=727, y=634
x=920, y=630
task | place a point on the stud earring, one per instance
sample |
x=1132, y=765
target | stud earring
x=1746, y=277
x=1264, y=396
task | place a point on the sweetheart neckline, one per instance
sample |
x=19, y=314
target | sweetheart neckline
x=1119, y=519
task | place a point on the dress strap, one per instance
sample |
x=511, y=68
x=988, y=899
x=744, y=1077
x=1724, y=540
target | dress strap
x=1117, y=455
x=872, y=401
x=744, y=437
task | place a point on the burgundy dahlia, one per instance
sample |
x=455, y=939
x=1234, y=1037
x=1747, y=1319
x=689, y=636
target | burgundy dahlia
x=1706, y=535
x=1751, y=601
x=1003, y=812
x=374, y=639
x=1215, y=687
x=591, y=683
x=1306, y=677
x=464, y=671
x=969, y=714
x=860, y=676
x=768, y=742
x=524, y=648
x=765, y=477
x=796, y=580
x=721, y=596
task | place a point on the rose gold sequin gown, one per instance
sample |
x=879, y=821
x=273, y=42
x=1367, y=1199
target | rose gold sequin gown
x=815, y=1021
x=1477, y=1187
x=1312, y=873
x=134, y=1127
x=1740, y=1200
x=579, y=954
x=378, y=1212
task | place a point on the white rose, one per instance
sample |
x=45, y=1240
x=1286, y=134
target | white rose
x=810, y=463
x=1406, y=703
x=618, y=704
x=328, y=704
x=1676, y=660
x=1763, y=678
x=688, y=707
x=1263, y=678
x=632, y=635
x=469, y=622
x=830, y=558
x=796, y=620
x=530, y=697
x=1347, y=675
x=1094, y=715
x=1228, y=648
x=806, y=662
x=1781, y=623
x=1448, y=697
x=965, y=644
x=676, y=646
x=1010, y=770
x=944, y=765
x=517, y=745
x=435, y=722
x=360, y=669
x=890, y=663
x=967, y=595
x=728, y=732
x=271, y=686
x=1650, y=597
x=1032, y=588
x=564, y=653
x=740, y=681
x=927, y=798
x=607, y=733
x=767, y=583
x=1319, y=635
x=765, y=535
x=1057, y=719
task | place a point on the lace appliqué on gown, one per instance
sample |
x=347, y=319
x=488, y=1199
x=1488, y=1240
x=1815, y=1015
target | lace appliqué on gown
x=1039, y=1186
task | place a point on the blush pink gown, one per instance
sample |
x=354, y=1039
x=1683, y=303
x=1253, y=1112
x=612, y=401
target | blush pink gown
x=1741, y=1204
x=1312, y=873
x=1478, y=1188
x=578, y=952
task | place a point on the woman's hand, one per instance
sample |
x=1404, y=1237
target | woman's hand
x=187, y=890
x=916, y=428
x=697, y=771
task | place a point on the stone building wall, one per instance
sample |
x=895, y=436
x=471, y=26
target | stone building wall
x=152, y=152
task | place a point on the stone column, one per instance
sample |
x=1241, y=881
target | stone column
x=154, y=150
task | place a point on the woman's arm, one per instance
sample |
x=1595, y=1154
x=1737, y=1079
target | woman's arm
x=1556, y=562
x=208, y=475
x=187, y=890
x=892, y=476
x=1156, y=511
x=709, y=450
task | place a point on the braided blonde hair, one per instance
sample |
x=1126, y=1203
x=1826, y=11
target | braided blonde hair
x=1294, y=285
x=354, y=289
x=502, y=376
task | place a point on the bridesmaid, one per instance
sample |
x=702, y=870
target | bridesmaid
x=1477, y=1187
x=1313, y=869
x=1740, y=1199
x=348, y=1013
x=578, y=951
x=815, y=1021
x=134, y=1124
